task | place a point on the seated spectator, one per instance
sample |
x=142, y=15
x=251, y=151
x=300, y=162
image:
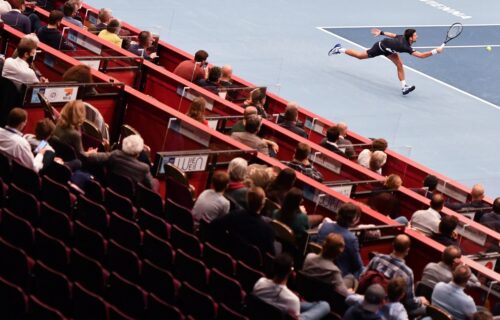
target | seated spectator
x=105, y=15
x=442, y=271
x=43, y=131
x=51, y=35
x=482, y=315
x=16, y=19
x=377, y=161
x=477, y=196
x=236, y=190
x=247, y=223
x=447, y=235
x=393, y=265
x=4, y=7
x=258, y=175
x=345, y=143
x=492, y=219
x=211, y=203
x=301, y=162
x=124, y=162
x=451, y=296
x=331, y=141
x=240, y=125
x=370, y=307
x=322, y=266
x=193, y=70
x=81, y=74
x=430, y=182
x=365, y=155
x=18, y=69
x=70, y=11
x=348, y=261
x=48, y=5
x=427, y=221
x=145, y=41
x=385, y=199
x=78, y=6
x=280, y=186
x=111, y=33
x=251, y=139
x=257, y=99
x=290, y=121
x=226, y=75
x=197, y=110
x=394, y=309
x=275, y=292
x=14, y=145
x=211, y=83
x=293, y=214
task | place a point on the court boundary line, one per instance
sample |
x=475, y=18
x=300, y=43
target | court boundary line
x=417, y=71
x=413, y=25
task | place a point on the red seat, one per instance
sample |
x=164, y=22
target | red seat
x=158, y=281
x=160, y=310
x=58, y=172
x=125, y=232
x=25, y=178
x=127, y=296
x=87, y=305
x=216, y=258
x=89, y=241
x=190, y=269
x=94, y=191
x=17, y=231
x=123, y=261
x=52, y=287
x=119, y=204
x=179, y=215
x=158, y=251
x=52, y=251
x=88, y=272
x=23, y=204
x=15, y=265
x=188, y=242
x=247, y=276
x=13, y=300
x=189, y=297
x=148, y=221
x=56, y=223
x=57, y=195
x=149, y=200
x=121, y=184
x=225, y=289
x=116, y=314
x=226, y=313
x=92, y=214
x=41, y=311
x=179, y=192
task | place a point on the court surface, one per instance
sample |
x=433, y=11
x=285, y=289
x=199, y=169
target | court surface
x=449, y=123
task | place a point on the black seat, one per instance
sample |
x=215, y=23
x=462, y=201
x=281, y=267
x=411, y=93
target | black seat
x=10, y=97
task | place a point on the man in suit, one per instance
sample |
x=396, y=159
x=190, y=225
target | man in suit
x=250, y=138
x=331, y=141
x=344, y=142
x=16, y=19
x=290, y=123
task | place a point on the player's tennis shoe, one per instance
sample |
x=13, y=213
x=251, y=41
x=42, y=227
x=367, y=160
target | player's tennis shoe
x=335, y=50
x=407, y=89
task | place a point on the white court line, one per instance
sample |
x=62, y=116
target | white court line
x=415, y=25
x=418, y=72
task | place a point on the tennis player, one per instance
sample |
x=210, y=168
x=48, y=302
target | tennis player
x=390, y=47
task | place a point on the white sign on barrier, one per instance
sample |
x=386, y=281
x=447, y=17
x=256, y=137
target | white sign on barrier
x=57, y=94
x=189, y=131
x=473, y=235
x=191, y=163
x=345, y=190
x=94, y=64
x=451, y=191
x=184, y=91
x=328, y=163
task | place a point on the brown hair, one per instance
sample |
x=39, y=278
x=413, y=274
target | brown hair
x=220, y=180
x=44, y=129
x=333, y=246
x=197, y=109
x=16, y=117
x=79, y=73
x=72, y=115
x=302, y=151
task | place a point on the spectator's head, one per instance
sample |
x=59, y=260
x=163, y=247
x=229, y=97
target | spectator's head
x=227, y=72
x=374, y=298
x=113, y=26
x=19, y=5
x=220, y=179
x=396, y=289
x=377, y=160
x=201, y=56
x=145, y=39
x=26, y=50
x=332, y=134
x=291, y=205
x=133, y=145
x=285, y=179
x=461, y=275
x=237, y=169
x=409, y=35
x=258, y=175
x=30, y=39
x=80, y=73
x=333, y=246
x=291, y=111
x=257, y=97
x=69, y=9
x=249, y=111
x=17, y=118
x=77, y=3
x=451, y=256
x=282, y=267
x=431, y=182
x=72, y=115
x=393, y=182
x=379, y=145
x=252, y=124
x=44, y=129
x=437, y=202
x=482, y=315
x=197, y=109
x=105, y=15
x=348, y=215
x=496, y=205
x=255, y=199
x=477, y=192
x=401, y=245
x=447, y=225
x=342, y=128
x=214, y=74
x=55, y=18
x=302, y=152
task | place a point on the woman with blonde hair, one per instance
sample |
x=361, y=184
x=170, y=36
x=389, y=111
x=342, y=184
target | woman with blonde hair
x=197, y=110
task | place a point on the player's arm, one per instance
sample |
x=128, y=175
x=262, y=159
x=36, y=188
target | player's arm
x=377, y=32
x=427, y=54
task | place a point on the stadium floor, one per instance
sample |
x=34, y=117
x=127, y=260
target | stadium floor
x=449, y=123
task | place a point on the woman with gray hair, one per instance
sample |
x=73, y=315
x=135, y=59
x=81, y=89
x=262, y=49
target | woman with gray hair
x=236, y=191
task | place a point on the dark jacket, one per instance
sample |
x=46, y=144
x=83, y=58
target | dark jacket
x=18, y=21
x=290, y=125
x=123, y=164
x=53, y=38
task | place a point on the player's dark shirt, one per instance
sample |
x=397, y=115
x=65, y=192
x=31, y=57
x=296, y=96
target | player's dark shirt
x=397, y=44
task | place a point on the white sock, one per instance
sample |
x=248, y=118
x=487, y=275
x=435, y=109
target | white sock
x=342, y=50
x=403, y=83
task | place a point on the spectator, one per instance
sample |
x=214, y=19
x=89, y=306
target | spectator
x=492, y=219
x=81, y=74
x=293, y=214
x=393, y=265
x=70, y=11
x=344, y=142
x=78, y=5
x=365, y=155
x=48, y=5
x=211, y=203
x=250, y=138
x=331, y=141
x=291, y=117
x=377, y=161
x=225, y=78
x=51, y=35
x=258, y=175
x=13, y=144
x=280, y=186
x=193, y=70
x=236, y=191
x=275, y=292
x=385, y=199
x=430, y=182
x=322, y=266
x=4, y=7
x=442, y=271
x=111, y=33
x=16, y=19
x=427, y=221
x=394, y=309
x=105, y=15
x=240, y=125
x=482, y=315
x=451, y=296
x=370, y=307
x=145, y=41
x=348, y=261
x=212, y=81
x=43, y=131
x=477, y=196
x=257, y=99
x=18, y=69
x=447, y=235
x=197, y=110
x=247, y=223
x=301, y=162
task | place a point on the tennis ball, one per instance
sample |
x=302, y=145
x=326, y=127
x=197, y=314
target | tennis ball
x=489, y=48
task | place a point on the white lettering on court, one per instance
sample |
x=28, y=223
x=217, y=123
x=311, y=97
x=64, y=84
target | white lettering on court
x=447, y=9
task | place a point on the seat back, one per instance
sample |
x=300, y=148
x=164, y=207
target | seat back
x=216, y=258
x=259, y=309
x=151, y=222
x=242, y=250
x=190, y=269
x=160, y=310
x=57, y=195
x=52, y=287
x=15, y=266
x=58, y=172
x=313, y=289
x=87, y=305
x=436, y=313
x=25, y=178
x=92, y=214
x=189, y=296
x=23, y=204
x=186, y=241
x=125, y=232
x=119, y=204
x=48, y=110
x=423, y=290
x=173, y=172
x=149, y=200
x=13, y=300
x=179, y=193
x=51, y=251
x=127, y=296
x=63, y=150
x=179, y=215
x=226, y=313
x=41, y=311
x=10, y=97
x=158, y=251
x=87, y=272
x=89, y=241
x=247, y=276
x=17, y=231
x=123, y=261
x=225, y=289
x=158, y=281
x=5, y=167
x=56, y=223
x=121, y=185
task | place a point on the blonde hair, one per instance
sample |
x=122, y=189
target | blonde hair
x=197, y=109
x=72, y=114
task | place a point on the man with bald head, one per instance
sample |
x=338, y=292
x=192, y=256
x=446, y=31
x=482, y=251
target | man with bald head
x=476, y=202
x=427, y=221
x=345, y=143
x=227, y=73
x=290, y=119
x=393, y=265
x=247, y=113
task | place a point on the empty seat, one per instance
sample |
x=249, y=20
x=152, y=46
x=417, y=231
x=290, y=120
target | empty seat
x=119, y=204
x=246, y=252
x=92, y=214
x=225, y=289
x=13, y=300
x=25, y=178
x=41, y=311
x=56, y=223
x=17, y=231
x=153, y=223
x=149, y=200
x=158, y=251
x=313, y=289
x=5, y=168
x=189, y=297
x=190, y=269
x=161, y=310
x=15, y=265
x=94, y=191
x=123, y=261
x=188, y=242
x=52, y=287
x=226, y=313
x=179, y=192
x=57, y=195
x=126, y=295
x=58, y=172
x=247, y=276
x=125, y=232
x=88, y=272
x=158, y=281
x=52, y=251
x=179, y=215
x=87, y=305
x=89, y=241
x=215, y=258
x=116, y=314
x=121, y=185
x=23, y=204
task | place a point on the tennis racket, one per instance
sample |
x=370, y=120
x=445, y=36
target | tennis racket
x=454, y=31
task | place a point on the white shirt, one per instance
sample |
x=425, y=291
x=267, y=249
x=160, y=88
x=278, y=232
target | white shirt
x=4, y=7
x=364, y=158
x=16, y=147
x=19, y=72
x=426, y=221
x=277, y=295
